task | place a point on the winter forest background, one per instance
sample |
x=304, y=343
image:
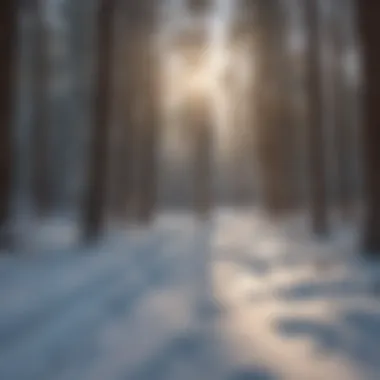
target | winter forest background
x=189, y=189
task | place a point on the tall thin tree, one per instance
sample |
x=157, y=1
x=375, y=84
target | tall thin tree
x=41, y=186
x=96, y=196
x=8, y=37
x=122, y=125
x=275, y=130
x=202, y=157
x=342, y=127
x=148, y=100
x=318, y=201
x=369, y=28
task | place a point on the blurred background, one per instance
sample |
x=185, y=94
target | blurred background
x=189, y=189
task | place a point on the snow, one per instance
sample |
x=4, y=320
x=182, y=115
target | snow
x=286, y=306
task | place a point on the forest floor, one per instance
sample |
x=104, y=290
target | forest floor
x=133, y=308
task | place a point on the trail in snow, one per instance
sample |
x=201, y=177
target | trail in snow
x=287, y=307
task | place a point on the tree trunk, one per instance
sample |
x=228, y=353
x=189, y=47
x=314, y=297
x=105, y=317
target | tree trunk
x=318, y=201
x=202, y=155
x=8, y=36
x=148, y=169
x=41, y=186
x=369, y=27
x=275, y=132
x=145, y=127
x=122, y=126
x=342, y=128
x=95, y=200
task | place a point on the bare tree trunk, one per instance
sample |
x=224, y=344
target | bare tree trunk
x=140, y=144
x=8, y=36
x=41, y=185
x=266, y=83
x=95, y=200
x=370, y=29
x=148, y=180
x=202, y=159
x=341, y=115
x=354, y=105
x=122, y=128
x=124, y=134
x=316, y=135
x=285, y=120
x=276, y=133
x=148, y=127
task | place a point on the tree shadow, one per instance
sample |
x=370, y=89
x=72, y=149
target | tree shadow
x=308, y=291
x=256, y=265
x=323, y=335
x=192, y=349
x=188, y=347
x=252, y=374
x=354, y=334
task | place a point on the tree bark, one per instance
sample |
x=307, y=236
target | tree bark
x=148, y=175
x=369, y=28
x=123, y=126
x=95, y=201
x=202, y=158
x=318, y=201
x=342, y=127
x=145, y=159
x=275, y=131
x=8, y=37
x=40, y=136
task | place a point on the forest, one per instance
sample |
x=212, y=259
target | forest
x=198, y=177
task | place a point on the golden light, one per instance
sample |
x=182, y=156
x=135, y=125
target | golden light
x=193, y=77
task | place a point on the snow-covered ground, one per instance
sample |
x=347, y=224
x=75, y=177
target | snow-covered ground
x=287, y=307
